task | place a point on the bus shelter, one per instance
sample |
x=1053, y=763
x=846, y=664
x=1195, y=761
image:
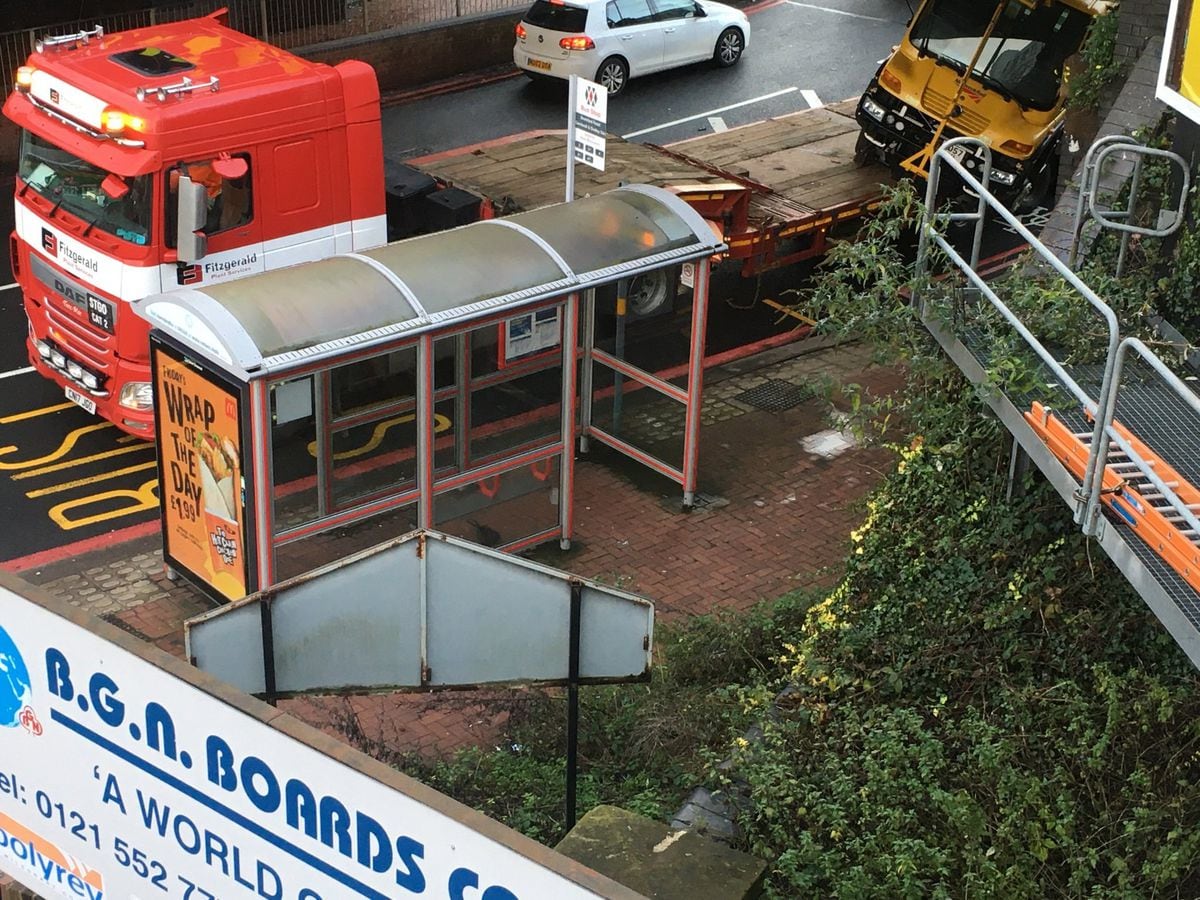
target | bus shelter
x=308, y=412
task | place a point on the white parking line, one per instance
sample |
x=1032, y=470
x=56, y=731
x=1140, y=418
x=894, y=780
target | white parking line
x=811, y=98
x=711, y=112
x=716, y=123
x=12, y=372
x=840, y=12
x=7, y=287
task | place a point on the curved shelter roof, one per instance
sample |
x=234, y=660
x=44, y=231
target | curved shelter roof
x=280, y=319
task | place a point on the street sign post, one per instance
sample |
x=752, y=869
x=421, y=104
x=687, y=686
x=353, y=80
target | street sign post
x=585, y=128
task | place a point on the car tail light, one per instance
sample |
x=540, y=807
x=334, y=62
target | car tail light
x=889, y=80
x=1017, y=147
x=579, y=42
x=520, y=32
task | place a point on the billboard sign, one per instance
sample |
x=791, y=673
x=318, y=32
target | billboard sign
x=127, y=774
x=1179, y=70
x=198, y=424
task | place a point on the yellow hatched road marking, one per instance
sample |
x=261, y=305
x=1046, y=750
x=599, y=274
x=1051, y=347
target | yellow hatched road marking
x=34, y=413
x=107, y=454
x=80, y=482
x=63, y=449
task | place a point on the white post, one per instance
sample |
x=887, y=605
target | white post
x=572, y=99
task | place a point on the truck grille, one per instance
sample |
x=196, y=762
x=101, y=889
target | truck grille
x=967, y=121
x=81, y=342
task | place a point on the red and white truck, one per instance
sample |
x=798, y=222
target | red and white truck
x=188, y=153
x=278, y=160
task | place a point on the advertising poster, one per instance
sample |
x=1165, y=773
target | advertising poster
x=197, y=420
x=123, y=780
x=1179, y=70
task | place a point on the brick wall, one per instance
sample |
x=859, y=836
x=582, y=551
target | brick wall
x=1140, y=20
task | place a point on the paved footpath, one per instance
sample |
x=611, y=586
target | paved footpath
x=780, y=492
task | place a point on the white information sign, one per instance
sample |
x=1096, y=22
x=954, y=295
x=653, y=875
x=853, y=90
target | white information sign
x=120, y=779
x=591, y=116
x=533, y=332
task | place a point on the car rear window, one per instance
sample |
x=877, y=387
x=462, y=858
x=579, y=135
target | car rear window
x=557, y=17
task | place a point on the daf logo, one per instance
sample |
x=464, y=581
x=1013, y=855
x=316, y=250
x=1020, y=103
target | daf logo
x=541, y=38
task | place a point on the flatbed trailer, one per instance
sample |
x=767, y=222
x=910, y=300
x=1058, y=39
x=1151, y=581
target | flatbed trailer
x=776, y=188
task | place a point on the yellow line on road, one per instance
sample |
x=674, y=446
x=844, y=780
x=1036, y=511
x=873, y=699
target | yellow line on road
x=80, y=482
x=34, y=413
x=107, y=454
x=67, y=445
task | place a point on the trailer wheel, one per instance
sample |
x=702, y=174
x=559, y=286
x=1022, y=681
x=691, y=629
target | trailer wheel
x=613, y=74
x=651, y=293
x=729, y=48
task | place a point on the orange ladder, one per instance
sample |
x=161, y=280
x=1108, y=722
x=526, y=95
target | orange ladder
x=1128, y=492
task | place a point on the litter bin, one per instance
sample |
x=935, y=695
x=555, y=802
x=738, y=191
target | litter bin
x=406, y=189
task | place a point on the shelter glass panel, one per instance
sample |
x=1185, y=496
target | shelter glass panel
x=278, y=313
x=609, y=229
x=452, y=269
x=293, y=453
x=503, y=509
x=305, y=555
x=373, y=436
x=515, y=415
x=652, y=422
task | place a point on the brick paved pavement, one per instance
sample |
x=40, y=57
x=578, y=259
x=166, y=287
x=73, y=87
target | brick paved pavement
x=774, y=517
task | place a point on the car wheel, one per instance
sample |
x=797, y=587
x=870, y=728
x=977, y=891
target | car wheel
x=729, y=48
x=613, y=74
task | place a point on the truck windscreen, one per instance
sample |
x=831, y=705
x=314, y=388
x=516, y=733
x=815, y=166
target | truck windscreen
x=120, y=207
x=1024, y=55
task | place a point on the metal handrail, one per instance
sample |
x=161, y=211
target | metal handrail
x=1093, y=164
x=1088, y=498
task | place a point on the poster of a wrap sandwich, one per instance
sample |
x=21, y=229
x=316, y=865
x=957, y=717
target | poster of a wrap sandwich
x=198, y=424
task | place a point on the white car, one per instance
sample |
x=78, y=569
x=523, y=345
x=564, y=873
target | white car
x=611, y=41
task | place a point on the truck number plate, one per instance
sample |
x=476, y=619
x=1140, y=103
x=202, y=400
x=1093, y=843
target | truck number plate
x=86, y=402
x=957, y=153
x=538, y=63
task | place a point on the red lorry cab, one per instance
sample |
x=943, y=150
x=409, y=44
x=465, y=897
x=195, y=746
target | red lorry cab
x=288, y=153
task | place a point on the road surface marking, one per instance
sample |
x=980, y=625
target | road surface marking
x=716, y=123
x=80, y=482
x=143, y=499
x=24, y=371
x=67, y=445
x=34, y=413
x=840, y=12
x=711, y=112
x=811, y=98
x=95, y=457
x=8, y=287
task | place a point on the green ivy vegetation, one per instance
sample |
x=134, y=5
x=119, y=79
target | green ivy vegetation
x=1098, y=64
x=981, y=707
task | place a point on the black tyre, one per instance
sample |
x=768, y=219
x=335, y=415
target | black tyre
x=613, y=74
x=729, y=48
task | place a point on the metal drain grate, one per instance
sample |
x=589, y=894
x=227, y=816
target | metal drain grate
x=775, y=395
x=114, y=619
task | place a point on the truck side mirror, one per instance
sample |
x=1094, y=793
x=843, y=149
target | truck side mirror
x=189, y=222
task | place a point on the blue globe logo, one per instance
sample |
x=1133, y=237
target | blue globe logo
x=15, y=690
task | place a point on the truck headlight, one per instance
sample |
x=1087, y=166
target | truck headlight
x=1005, y=178
x=137, y=395
x=873, y=109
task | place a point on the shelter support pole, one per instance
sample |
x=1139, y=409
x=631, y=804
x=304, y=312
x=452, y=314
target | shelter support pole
x=425, y=431
x=566, y=475
x=585, y=373
x=573, y=699
x=695, y=389
x=619, y=353
x=262, y=483
x=323, y=407
x=462, y=406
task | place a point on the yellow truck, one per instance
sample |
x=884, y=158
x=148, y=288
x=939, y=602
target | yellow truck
x=984, y=69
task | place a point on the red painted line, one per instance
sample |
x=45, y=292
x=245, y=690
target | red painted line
x=760, y=7
x=448, y=86
x=87, y=545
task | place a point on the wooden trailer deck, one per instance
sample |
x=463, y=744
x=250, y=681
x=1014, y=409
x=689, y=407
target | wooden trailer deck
x=805, y=160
